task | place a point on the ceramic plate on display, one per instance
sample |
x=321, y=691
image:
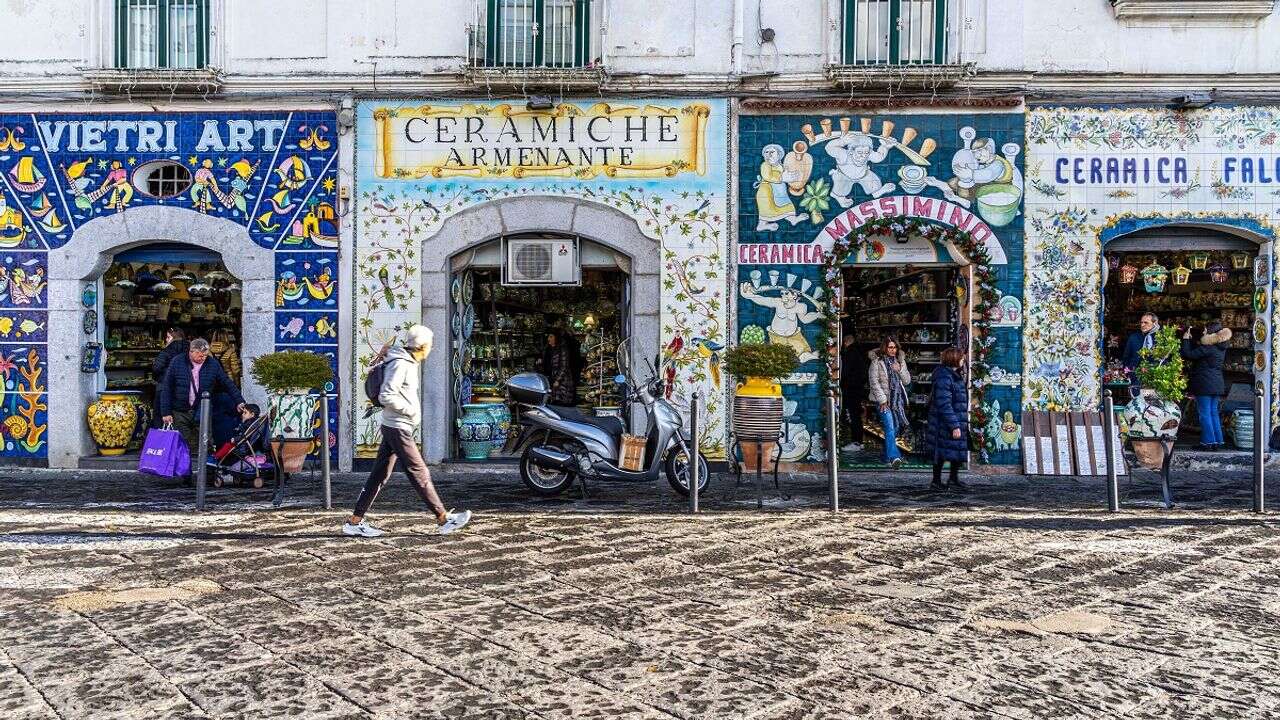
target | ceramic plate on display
x=466, y=390
x=468, y=321
x=1260, y=300
x=468, y=287
x=455, y=290
x=457, y=388
x=90, y=322
x=1259, y=331
x=1259, y=361
x=457, y=325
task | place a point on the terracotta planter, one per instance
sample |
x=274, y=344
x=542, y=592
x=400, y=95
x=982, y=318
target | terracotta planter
x=293, y=455
x=757, y=413
x=1150, y=453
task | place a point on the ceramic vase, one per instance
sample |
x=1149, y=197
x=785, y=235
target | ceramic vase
x=757, y=413
x=475, y=431
x=140, y=428
x=112, y=420
x=501, y=415
x=293, y=414
x=1150, y=421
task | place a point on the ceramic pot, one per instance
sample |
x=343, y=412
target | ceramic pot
x=112, y=420
x=293, y=455
x=757, y=413
x=140, y=428
x=1148, y=416
x=293, y=414
x=475, y=431
x=501, y=416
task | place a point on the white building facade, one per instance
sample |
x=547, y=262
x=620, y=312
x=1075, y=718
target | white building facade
x=260, y=135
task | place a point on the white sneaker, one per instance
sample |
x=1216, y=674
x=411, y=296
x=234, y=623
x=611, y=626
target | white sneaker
x=852, y=447
x=454, y=521
x=361, y=529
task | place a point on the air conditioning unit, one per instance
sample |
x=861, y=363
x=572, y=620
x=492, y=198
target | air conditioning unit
x=542, y=261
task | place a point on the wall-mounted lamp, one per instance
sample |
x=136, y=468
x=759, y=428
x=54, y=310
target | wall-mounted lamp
x=1193, y=100
x=539, y=102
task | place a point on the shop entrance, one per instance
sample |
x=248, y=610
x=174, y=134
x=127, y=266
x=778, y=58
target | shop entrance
x=151, y=288
x=923, y=309
x=1187, y=277
x=567, y=327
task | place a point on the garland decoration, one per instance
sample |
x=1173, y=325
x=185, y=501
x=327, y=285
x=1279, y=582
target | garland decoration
x=985, y=297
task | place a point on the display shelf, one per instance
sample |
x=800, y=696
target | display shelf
x=897, y=279
x=910, y=303
x=901, y=324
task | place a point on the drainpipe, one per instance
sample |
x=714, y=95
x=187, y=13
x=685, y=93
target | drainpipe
x=604, y=33
x=739, y=12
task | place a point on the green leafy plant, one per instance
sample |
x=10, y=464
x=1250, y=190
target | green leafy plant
x=765, y=361
x=816, y=200
x=1160, y=366
x=282, y=371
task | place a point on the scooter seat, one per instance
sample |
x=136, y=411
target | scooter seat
x=611, y=425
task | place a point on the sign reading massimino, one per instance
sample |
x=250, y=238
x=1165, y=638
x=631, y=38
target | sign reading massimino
x=505, y=141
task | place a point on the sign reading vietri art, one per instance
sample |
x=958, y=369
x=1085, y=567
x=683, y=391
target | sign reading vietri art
x=505, y=141
x=843, y=224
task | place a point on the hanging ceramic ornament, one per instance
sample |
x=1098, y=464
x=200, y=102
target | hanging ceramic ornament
x=1218, y=273
x=1199, y=260
x=1128, y=273
x=1113, y=262
x=1181, y=275
x=1154, y=277
x=1240, y=260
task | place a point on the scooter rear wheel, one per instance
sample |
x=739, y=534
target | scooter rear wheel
x=543, y=481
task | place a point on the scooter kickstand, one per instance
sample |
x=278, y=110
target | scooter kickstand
x=583, y=481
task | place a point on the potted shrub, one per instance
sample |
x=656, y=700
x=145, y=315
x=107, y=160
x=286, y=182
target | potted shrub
x=1154, y=414
x=290, y=377
x=757, y=401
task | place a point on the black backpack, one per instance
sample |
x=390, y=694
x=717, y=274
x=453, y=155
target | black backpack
x=373, y=382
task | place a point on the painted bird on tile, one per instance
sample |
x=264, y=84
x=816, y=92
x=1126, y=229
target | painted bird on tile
x=675, y=346
x=709, y=350
x=384, y=278
x=671, y=381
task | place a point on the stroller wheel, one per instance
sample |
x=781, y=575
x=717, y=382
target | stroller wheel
x=257, y=481
x=216, y=481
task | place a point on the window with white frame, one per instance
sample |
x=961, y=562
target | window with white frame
x=895, y=32
x=538, y=33
x=171, y=34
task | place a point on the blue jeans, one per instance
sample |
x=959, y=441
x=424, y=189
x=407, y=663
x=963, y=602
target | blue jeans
x=1210, y=419
x=887, y=422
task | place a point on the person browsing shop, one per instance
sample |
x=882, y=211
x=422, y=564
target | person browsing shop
x=888, y=377
x=853, y=383
x=946, y=437
x=186, y=377
x=1205, y=380
x=1141, y=339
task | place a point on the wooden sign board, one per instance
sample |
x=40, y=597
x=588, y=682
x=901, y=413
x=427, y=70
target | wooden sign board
x=1067, y=443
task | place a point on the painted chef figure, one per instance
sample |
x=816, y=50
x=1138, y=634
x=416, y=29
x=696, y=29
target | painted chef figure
x=976, y=164
x=788, y=315
x=854, y=155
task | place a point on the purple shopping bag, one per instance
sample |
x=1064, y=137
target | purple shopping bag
x=164, y=454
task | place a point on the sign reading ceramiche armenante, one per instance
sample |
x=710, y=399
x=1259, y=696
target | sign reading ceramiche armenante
x=506, y=141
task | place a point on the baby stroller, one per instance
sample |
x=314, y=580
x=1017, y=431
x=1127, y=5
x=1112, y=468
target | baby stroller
x=238, y=460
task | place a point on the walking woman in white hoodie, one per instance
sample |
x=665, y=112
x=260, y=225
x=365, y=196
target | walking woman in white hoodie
x=401, y=413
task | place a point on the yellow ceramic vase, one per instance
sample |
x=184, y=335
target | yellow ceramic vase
x=111, y=422
x=759, y=387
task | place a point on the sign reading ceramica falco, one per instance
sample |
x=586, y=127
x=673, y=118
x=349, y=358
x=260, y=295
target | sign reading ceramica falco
x=506, y=141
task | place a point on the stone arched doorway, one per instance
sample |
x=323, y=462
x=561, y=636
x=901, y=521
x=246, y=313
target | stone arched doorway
x=535, y=214
x=87, y=256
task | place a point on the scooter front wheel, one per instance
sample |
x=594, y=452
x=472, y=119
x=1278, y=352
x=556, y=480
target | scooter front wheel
x=543, y=481
x=678, y=466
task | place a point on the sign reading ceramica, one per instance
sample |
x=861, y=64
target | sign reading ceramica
x=505, y=141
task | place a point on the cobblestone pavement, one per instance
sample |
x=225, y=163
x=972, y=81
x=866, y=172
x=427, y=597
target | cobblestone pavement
x=1020, y=599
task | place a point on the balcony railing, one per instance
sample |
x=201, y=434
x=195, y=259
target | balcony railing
x=900, y=40
x=533, y=41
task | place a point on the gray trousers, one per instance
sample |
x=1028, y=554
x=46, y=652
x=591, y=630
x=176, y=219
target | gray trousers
x=398, y=445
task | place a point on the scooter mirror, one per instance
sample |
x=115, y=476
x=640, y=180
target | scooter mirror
x=620, y=379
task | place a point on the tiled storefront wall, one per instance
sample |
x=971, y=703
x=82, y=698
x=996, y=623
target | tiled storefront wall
x=798, y=173
x=274, y=173
x=1094, y=174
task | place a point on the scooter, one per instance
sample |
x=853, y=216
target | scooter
x=561, y=444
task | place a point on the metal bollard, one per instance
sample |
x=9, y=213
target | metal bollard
x=324, y=451
x=694, y=445
x=1259, y=455
x=1109, y=446
x=833, y=457
x=202, y=452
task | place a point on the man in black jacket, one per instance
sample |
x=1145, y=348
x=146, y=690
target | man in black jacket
x=186, y=377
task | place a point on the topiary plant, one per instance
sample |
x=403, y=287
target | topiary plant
x=282, y=371
x=763, y=361
x=1160, y=367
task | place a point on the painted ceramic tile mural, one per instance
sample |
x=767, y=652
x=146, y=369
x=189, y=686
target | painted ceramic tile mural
x=804, y=180
x=1094, y=174
x=675, y=192
x=272, y=172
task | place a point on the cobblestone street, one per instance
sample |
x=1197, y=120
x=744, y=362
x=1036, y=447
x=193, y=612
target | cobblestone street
x=1021, y=599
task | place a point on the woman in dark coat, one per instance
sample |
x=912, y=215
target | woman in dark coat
x=558, y=366
x=1205, y=380
x=946, y=437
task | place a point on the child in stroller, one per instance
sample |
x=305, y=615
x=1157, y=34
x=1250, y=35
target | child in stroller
x=241, y=459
